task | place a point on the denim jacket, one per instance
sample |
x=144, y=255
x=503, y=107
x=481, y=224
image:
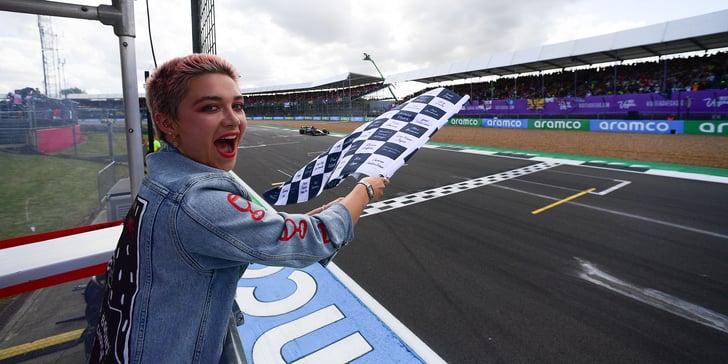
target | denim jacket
x=187, y=239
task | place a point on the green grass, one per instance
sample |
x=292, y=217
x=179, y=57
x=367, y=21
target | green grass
x=96, y=145
x=45, y=193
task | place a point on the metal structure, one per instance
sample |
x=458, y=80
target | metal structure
x=367, y=57
x=204, y=39
x=339, y=81
x=52, y=63
x=120, y=16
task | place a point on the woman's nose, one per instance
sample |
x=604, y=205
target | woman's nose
x=232, y=118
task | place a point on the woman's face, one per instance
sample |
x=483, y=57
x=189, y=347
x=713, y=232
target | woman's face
x=211, y=121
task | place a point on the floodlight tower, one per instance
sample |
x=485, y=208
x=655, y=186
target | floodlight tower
x=367, y=57
x=49, y=53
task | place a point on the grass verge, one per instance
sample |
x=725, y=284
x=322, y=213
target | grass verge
x=43, y=193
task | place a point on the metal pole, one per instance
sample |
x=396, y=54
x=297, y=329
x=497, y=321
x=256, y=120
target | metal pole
x=150, y=125
x=120, y=15
x=369, y=58
x=195, y=12
x=134, y=147
x=43, y=58
x=110, y=137
x=51, y=8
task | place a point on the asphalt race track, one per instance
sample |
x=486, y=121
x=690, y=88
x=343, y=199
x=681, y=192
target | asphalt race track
x=498, y=258
x=483, y=259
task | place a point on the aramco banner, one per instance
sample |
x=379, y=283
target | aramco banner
x=699, y=127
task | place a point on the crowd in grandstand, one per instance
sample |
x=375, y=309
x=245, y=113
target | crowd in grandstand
x=327, y=96
x=677, y=74
x=18, y=99
x=31, y=104
x=683, y=74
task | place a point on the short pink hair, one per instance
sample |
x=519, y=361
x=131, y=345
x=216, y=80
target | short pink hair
x=166, y=87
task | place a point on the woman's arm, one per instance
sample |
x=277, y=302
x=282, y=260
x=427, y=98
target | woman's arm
x=358, y=198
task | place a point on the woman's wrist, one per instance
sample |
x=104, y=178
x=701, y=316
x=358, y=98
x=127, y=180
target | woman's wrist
x=368, y=188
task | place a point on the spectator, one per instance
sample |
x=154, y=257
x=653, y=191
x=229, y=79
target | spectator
x=193, y=229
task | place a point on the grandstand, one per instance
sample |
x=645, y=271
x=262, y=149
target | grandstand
x=665, y=63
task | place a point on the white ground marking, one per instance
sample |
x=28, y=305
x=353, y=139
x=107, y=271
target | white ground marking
x=625, y=214
x=653, y=297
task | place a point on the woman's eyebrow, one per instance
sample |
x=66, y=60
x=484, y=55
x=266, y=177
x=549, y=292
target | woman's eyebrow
x=214, y=98
x=207, y=98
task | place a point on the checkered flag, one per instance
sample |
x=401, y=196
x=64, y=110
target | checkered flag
x=378, y=147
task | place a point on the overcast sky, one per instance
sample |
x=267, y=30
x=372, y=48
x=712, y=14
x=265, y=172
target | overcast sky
x=279, y=42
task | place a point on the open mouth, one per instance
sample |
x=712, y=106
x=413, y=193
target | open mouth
x=227, y=145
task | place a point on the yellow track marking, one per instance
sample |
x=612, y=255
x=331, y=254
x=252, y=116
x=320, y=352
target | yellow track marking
x=40, y=344
x=582, y=193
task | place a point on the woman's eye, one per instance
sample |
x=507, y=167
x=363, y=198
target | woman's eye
x=239, y=106
x=209, y=108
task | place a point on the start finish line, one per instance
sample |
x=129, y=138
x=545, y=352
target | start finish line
x=315, y=315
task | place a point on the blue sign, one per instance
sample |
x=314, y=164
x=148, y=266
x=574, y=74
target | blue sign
x=639, y=126
x=505, y=123
x=292, y=314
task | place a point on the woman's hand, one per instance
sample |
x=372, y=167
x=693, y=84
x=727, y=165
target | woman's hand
x=379, y=183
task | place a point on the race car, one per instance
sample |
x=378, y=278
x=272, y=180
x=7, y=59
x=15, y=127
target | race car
x=312, y=130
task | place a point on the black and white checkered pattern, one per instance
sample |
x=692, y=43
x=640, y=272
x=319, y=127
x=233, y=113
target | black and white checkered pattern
x=378, y=147
x=422, y=196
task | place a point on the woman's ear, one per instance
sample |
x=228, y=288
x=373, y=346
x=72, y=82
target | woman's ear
x=164, y=124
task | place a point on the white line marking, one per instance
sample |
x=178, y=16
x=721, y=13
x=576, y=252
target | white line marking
x=264, y=145
x=638, y=217
x=621, y=183
x=422, y=196
x=654, y=298
x=600, y=193
x=688, y=175
x=392, y=322
x=613, y=188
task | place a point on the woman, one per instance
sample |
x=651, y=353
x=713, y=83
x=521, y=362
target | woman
x=193, y=230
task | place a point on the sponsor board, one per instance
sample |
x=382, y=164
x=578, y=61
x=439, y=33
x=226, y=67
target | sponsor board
x=639, y=126
x=559, y=124
x=707, y=127
x=309, y=315
x=464, y=122
x=505, y=123
x=699, y=127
